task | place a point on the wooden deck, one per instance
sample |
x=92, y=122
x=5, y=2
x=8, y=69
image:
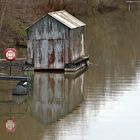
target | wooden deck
x=18, y=59
x=18, y=78
x=18, y=65
x=71, y=67
x=75, y=74
x=75, y=69
x=77, y=64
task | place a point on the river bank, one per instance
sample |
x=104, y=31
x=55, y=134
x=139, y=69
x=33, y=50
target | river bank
x=13, y=24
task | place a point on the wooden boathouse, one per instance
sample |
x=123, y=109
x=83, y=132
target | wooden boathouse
x=56, y=41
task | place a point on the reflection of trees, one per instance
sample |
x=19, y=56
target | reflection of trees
x=114, y=50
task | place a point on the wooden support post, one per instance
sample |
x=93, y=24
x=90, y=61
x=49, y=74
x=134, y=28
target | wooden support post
x=131, y=2
x=129, y=6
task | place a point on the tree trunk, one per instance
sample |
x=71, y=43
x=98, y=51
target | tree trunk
x=2, y=15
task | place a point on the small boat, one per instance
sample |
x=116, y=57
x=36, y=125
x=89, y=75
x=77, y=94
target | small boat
x=21, y=88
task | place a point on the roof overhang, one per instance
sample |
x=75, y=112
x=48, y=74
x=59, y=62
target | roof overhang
x=63, y=17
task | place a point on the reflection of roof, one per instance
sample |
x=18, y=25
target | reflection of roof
x=65, y=18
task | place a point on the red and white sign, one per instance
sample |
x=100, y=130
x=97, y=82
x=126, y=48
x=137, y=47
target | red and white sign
x=10, y=54
x=10, y=125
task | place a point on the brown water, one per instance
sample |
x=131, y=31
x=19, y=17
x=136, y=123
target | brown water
x=99, y=104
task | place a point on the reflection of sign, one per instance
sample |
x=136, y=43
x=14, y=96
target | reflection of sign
x=10, y=54
x=10, y=125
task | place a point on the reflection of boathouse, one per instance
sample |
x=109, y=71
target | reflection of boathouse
x=55, y=95
x=56, y=41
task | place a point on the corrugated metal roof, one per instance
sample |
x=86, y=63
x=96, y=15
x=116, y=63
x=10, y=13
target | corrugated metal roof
x=67, y=19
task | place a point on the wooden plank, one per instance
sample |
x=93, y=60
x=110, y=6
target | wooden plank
x=14, y=78
x=130, y=1
x=80, y=60
x=18, y=59
x=75, y=74
x=75, y=69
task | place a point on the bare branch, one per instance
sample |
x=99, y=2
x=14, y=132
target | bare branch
x=3, y=9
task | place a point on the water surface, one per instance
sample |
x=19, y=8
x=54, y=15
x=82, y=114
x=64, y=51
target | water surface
x=101, y=103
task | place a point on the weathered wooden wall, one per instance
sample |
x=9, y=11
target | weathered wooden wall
x=47, y=42
x=77, y=43
x=51, y=44
x=54, y=96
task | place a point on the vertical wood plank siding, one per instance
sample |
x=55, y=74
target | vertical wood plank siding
x=47, y=42
x=52, y=44
x=77, y=43
x=55, y=96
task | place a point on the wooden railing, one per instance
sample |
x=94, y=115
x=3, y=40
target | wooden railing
x=131, y=2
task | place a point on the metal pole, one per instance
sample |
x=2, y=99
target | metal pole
x=10, y=68
x=10, y=111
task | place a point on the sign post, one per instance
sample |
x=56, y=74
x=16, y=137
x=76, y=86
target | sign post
x=10, y=55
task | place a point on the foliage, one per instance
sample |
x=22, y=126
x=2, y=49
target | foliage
x=20, y=30
x=16, y=15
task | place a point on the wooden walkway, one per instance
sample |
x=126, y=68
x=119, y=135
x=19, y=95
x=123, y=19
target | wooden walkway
x=18, y=65
x=18, y=59
x=18, y=78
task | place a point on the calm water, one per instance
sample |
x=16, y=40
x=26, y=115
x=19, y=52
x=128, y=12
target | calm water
x=99, y=104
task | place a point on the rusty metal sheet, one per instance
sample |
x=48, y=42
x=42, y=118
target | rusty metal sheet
x=51, y=45
x=48, y=28
x=55, y=54
x=29, y=52
x=68, y=54
x=51, y=53
x=48, y=54
x=40, y=58
x=77, y=43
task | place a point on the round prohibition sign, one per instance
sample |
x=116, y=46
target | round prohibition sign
x=10, y=125
x=10, y=54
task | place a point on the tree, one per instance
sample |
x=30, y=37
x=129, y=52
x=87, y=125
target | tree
x=3, y=6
